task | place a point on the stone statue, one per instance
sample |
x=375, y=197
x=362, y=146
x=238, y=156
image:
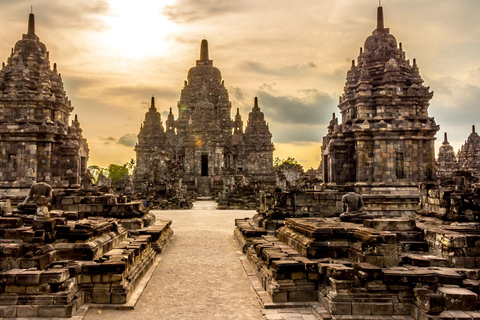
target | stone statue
x=42, y=207
x=86, y=182
x=34, y=198
x=354, y=208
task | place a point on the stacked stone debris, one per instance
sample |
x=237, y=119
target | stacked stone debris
x=385, y=267
x=38, y=142
x=277, y=206
x=240, y=192
x=385, y=141
x=94, y=248
x=460, y=202
x=203, y=142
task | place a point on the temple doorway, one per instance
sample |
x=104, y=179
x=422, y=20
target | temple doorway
x=204, y=165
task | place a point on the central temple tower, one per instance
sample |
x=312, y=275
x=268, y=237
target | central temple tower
x=386, y=138
x=203, y=142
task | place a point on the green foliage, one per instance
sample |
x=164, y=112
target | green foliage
x=95, y=171
x=114, y=171
x=277, y=162
x=117, y=173
x=131, y=166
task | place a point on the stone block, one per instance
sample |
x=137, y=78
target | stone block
x=27, y=311
x=361, y=308
x=402, y=308
x=390, y=224
x=9, y=276
x=56, y=311
x=9, y=311
x=13, y=288
x=279, y=296
x=301, y=296
x=54, y=275
x=459, y=299
x=101, y=297
x=339, y=307
x=38, y=289
x=382, y=309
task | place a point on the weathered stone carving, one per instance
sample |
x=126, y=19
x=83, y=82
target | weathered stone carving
x=40, y=195
x=204, y=142
x=386, y=136
x=38, y=142
x=354, y=212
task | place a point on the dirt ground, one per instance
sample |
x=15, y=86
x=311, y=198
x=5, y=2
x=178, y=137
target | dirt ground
x=200, y=275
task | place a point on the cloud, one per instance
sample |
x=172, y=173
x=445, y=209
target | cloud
x=64, y=14
x=312, y=108
x=188, y=11
x=128, y=140
x=296, y=133
x=285, y=71
x=237, y=93
x=139, y=91
x=107, y=140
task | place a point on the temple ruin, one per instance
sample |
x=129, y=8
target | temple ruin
x=37, y=140
x=386, y=138
x=203, y=143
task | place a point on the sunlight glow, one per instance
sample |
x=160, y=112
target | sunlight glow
x=138, y=29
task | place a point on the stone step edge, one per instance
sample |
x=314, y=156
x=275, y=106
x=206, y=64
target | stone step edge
x=132, y=301
x=265, y=300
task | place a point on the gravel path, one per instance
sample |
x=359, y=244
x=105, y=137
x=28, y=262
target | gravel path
x=200, y=275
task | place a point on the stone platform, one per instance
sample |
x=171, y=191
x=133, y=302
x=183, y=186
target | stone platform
x=417, y=268
x=51, y=267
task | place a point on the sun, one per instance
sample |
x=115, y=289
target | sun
x=138, y=29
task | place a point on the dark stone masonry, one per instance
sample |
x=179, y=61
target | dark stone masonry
x=410, y=248
x=204, y=145
x=73, y=245
x=37, y=141
x=380, y=231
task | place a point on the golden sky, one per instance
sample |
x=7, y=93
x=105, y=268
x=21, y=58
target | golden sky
x=115, y=54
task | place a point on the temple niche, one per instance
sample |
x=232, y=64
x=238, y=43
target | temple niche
x=386, y=138
x=204, y=144
x=37, y=141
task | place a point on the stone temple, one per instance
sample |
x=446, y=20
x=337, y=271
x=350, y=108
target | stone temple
x=36, y=139
x=386, y=138
x=203, y=145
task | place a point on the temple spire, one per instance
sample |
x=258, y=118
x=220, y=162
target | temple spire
x=204, y=50
x=380, y=25
x=473, y=128
x=255, y=104
x=152, y=105
x=445, y=140
x=31, y=24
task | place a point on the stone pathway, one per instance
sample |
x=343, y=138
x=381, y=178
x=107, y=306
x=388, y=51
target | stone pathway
x=200, y=275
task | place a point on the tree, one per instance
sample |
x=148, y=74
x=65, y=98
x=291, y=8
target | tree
x=117, y=173
x=277, y=162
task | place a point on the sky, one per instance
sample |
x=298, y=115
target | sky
x=293, y=55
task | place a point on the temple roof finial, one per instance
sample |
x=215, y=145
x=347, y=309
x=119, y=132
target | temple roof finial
x=204, y=50
x=473, y=128
x=238, y=111
x=255, y=104
x=31, y=23
x=445, y=140
x=152, y=104
x=380, y=25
